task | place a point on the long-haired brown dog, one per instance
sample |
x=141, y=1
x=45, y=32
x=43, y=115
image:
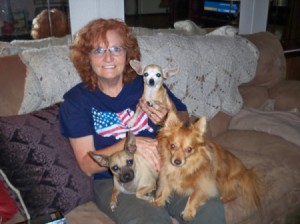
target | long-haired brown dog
x=201, y=169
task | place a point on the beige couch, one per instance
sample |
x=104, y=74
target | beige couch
x=263, y=130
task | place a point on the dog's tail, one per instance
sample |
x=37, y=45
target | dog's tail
x=253, y=189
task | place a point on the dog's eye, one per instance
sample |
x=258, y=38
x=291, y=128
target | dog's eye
x=129, y=162
x=172, y=146
x=188, y=149
x=115, y=168
x=146, y=74
x=158, y=75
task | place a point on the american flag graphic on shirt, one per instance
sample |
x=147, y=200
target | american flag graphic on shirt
x=115, y=124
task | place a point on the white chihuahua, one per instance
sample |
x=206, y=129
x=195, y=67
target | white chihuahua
x=154, y=92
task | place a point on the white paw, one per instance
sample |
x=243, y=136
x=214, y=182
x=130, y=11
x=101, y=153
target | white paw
x=113, y=206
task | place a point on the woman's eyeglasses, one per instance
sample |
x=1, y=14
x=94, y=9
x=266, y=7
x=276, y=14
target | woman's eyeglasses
x=115, y=51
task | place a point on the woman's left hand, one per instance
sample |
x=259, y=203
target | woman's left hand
x=157, y=113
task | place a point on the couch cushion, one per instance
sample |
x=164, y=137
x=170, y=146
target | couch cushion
x=278, y=161
x=254, y=96
x=218, y=124
x=286, y=95
x=12, y=82
x=40, y=163
x=83, y=213
x=285, y=124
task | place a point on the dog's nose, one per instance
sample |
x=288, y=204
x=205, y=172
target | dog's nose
x=127, y=177
x=177, y=162
x=151, y=82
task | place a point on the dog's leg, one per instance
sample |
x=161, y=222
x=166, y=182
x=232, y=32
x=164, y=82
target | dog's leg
x=134, y=118
x=162, y=195
x=194, y=201
x=228, y=192
x=114, y=199
x=146, y=193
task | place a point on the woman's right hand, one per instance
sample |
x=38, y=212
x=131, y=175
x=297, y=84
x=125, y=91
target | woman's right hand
x=148, y=149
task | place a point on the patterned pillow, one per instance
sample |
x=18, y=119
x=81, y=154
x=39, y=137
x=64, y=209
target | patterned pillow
x=40, y=163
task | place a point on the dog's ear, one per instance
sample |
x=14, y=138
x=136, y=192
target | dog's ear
x=130, y=143
x=102, y=160
x=170, y=72
x=137, y=66
x=201, y=125
x=172, y=120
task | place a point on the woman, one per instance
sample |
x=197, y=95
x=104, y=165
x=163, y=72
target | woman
x=101, y=53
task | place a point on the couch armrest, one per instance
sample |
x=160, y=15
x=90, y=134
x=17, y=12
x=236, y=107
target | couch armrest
x=271, y=67
x=286, y=95
x=12, y=82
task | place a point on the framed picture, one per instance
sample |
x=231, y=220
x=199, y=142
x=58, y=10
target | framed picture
x=20, y=23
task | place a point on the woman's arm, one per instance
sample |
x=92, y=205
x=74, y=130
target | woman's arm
x=81, y=146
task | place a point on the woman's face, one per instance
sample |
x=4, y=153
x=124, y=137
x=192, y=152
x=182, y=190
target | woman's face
x=108, y=62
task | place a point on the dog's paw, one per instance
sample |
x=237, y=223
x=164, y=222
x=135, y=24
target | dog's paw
x=113, y=206
x=147, y=197
x=188, y=214
x=158, y=202
x=150, y=103
x=150, y=199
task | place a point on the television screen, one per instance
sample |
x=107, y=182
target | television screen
x=228, y=7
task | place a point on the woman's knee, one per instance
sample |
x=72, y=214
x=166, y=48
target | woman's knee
x=130, y=210
x=211, y=212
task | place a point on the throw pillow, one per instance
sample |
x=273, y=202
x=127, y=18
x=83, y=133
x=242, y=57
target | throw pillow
x=50, y=73
x=40, y=163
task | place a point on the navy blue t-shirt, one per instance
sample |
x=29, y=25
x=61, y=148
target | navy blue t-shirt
x=91, y=112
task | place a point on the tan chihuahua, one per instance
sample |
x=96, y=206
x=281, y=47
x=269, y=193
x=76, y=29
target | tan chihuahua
x=132, y=174
x=154, y=92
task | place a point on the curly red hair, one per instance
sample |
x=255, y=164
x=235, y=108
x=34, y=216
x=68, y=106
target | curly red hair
x=90, y=36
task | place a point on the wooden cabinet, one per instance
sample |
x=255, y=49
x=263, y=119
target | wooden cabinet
x=291, y=41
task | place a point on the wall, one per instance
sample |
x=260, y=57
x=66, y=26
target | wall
x=253, y=16
x=81, y=12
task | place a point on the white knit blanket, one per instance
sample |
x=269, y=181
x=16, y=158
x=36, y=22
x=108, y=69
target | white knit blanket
x=211, y=68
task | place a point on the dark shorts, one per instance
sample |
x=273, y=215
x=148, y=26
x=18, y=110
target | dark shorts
x=132, y=210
